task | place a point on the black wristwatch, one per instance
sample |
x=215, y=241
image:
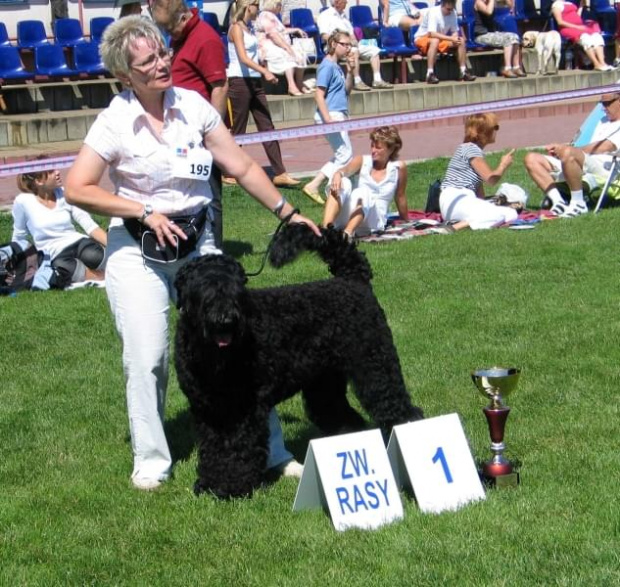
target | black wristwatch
x=148, y=210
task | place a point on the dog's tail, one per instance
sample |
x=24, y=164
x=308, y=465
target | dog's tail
x=339, y=253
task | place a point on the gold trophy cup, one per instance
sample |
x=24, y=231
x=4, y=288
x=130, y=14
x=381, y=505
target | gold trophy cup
x=496, y=383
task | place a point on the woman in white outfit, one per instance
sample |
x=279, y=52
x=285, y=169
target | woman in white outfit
x=159, y=143
x=381, y=179
x=40, y=212
x=462, y=189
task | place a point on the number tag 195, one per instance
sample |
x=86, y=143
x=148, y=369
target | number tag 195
x=192, y=164
x=432, y=458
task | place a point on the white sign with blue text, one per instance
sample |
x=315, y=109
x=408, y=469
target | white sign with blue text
x=432, y=458
x=351, y=475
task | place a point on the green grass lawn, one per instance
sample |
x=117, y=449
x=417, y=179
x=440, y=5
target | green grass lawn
x=545, y=300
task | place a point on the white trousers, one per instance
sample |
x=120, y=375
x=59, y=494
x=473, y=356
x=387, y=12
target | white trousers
x=340, y=144
x=139, y=294
x=458, y=204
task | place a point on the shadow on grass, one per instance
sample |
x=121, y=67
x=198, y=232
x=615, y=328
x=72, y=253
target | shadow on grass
x=181, y=435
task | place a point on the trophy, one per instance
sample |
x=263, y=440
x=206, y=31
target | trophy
x=496, y=383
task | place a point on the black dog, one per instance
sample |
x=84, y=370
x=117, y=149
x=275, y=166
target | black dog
x=239, y=352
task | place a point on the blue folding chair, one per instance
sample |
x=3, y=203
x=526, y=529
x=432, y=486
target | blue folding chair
x=49, y=60
x=87, y=59
x=361, y=17
x=392, y=43
x=4, y=36
x=11, y=66
x=68, y=32
x=30, y=34
x=98, y=24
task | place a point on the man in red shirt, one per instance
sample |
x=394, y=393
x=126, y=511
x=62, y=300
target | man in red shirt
x=198, y=63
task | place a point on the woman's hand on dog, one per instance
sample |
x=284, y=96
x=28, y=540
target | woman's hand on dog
x=299, y=219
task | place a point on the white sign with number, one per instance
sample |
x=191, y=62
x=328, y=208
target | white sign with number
x=432, y=458
x=351, y=476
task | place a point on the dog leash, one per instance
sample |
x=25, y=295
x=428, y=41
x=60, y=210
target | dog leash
x=273, y=236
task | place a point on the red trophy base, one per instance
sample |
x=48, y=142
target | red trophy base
x=499, y=471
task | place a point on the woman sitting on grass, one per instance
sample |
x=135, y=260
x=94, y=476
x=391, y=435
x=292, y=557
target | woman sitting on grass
x=381, y=179
x=42, y=213
x=462, y=189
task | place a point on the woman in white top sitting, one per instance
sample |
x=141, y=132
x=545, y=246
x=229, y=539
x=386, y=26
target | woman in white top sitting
x=381, y=179
x=245, y=88
x=42, y=213
x=462, y=189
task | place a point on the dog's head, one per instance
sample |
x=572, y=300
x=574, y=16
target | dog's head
x=529, y=38
x=211, y=294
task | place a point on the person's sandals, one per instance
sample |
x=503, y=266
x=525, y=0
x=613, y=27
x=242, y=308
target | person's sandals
x=314, y=196
x=575, y=210
x=559, y=208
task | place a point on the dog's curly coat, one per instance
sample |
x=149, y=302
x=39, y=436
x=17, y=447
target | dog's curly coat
x=239, y=352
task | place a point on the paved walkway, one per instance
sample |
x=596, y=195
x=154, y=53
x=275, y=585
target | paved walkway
x=424, y=141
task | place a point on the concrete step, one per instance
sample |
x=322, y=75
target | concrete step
x=27, y=135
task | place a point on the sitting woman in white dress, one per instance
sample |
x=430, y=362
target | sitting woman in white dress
x=381, y=178
x=462, y=189
x=41, y=213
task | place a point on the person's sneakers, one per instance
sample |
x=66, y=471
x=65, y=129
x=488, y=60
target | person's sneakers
x=382, y=85
x=576, y=209
x=290, y=469
x=361, y=87
x=284, y=180
x=466, y=76
x=431, y=78
x=314, y=196
x=559, y=208
x=145, y=484
x=616, y=62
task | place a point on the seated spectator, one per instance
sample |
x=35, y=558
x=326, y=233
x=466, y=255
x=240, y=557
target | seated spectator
x=400, y=13
x=276, y=49
x=381, y=179
x=569, y=164
x=462, y=199
x=440, y=33
x=486, y=33
x=588, y=34
x=245, y=89
x=42, y=214
x=334, y=18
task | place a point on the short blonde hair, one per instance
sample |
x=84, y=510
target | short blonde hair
x=389, y=136
x=270, y=4
x=119, y=37
x=480, y=127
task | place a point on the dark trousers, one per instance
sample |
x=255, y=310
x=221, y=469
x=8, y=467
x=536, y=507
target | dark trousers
x=246, y=94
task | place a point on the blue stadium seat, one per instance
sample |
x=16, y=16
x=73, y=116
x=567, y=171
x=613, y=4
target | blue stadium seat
x=302, y=18
x=50, y=60
x=11, y=67
x=361, y=17
x=392, y=43
x=211, y=19
x=98, y=24
x=68, y=32
x=4, y=36
x=86, y=59
x=30, y=34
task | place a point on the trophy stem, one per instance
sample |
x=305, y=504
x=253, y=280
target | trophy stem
x=498, y=465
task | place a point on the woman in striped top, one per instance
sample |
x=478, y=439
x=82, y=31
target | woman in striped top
x=462, y=189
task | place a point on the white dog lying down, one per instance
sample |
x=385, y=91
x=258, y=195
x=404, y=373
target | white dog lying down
x=547, y=45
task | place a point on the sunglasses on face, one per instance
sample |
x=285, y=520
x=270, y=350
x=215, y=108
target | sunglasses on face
x=608, y=103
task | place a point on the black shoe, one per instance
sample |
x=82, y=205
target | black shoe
x=467, y=77
x=431, y=78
